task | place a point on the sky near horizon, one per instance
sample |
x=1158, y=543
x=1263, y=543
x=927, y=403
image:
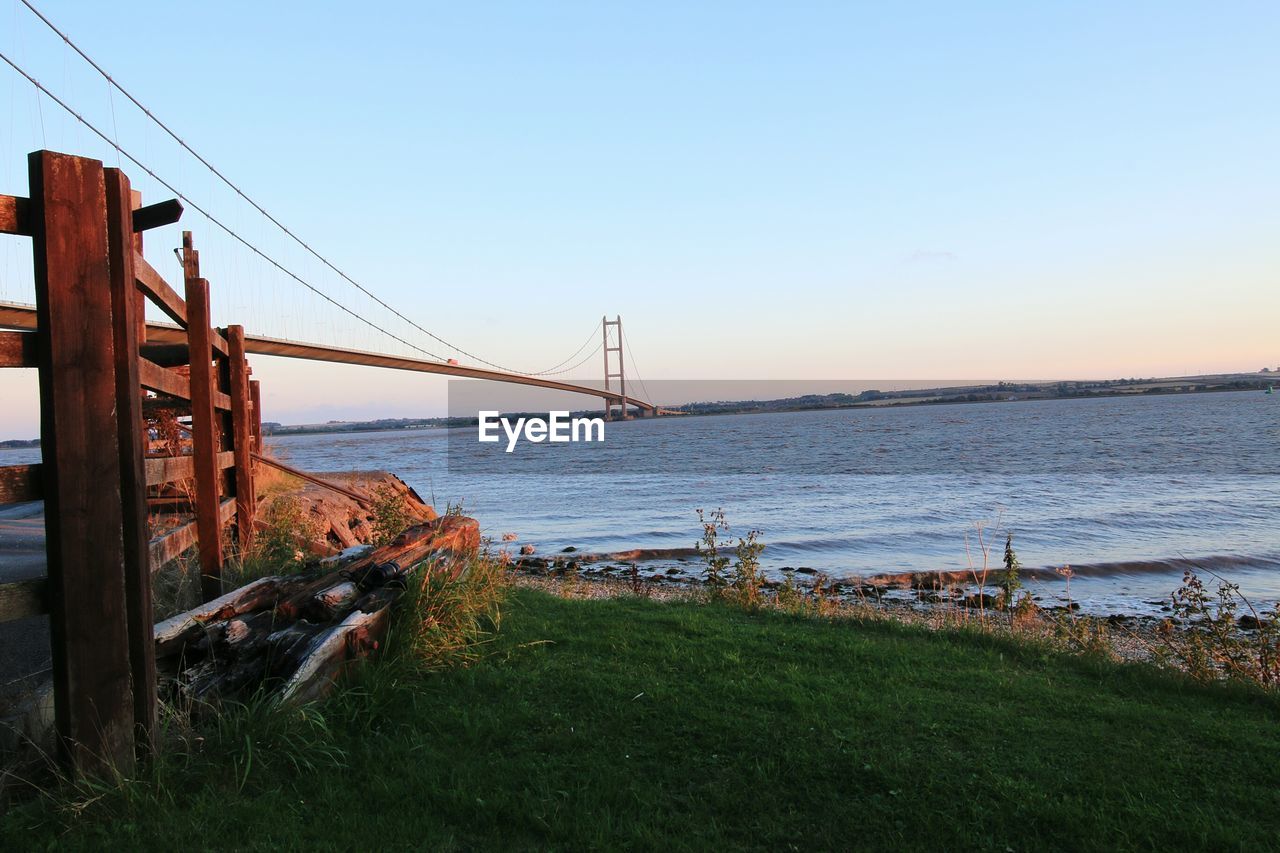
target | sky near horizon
x=762, y=191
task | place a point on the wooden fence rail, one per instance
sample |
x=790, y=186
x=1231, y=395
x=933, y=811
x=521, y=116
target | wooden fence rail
x=109, y=465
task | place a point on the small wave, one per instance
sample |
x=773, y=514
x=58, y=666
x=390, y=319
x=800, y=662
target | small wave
x=1169, y=565
x=928, y=578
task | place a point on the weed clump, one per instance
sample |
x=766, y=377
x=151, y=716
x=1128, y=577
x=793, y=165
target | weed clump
x=743, y=585
x=284, y=533
x=1220, y=640
x=390, y=514
x=445, y=621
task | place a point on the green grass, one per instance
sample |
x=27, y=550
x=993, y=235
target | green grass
x=675, y=726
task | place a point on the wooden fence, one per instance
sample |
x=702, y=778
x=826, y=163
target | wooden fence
x=122, y=496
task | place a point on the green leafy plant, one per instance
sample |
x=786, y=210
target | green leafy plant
x=742, y=586
x=789, y=596
x=713, y=525
x=747, y=580
x=390, y=514
x=1220, y=640
x=280, y=545
x=1011, y=582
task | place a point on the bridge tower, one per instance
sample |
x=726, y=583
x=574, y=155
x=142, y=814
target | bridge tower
x=621, y=375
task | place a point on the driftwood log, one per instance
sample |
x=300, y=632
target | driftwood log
x=296, y=633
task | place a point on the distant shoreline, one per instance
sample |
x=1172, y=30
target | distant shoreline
x=1000, y=393
x=1013, y=392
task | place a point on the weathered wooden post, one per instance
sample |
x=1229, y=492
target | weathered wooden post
x=80, y=443
x=131, y=430
x=204, y=432
x=255, y=395
x=241, y=436
x=140, y=310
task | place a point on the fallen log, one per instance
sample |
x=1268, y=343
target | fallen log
x=297, y=633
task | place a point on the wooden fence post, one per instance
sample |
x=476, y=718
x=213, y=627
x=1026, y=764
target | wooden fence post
x=241, y=436
x=125, y=306
x=93, y=705
x=255, y=395
x=140, y=312
x=204, y=432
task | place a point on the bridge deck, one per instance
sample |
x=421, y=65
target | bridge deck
x=23, y=317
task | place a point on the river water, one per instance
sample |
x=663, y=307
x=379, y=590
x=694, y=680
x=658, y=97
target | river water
x=1128, y=491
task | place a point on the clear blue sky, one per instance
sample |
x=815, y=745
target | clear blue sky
x=786, y=190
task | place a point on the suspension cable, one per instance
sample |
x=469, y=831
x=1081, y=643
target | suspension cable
x=243, y=195
x=210, y=216
x=626, y=342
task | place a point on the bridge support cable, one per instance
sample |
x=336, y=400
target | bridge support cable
x=112, y=83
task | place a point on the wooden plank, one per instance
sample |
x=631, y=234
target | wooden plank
x=166, y=355
x=131, y=431
x=15, y=215
x=241, y=438
x=21, y=599
x=204, y=436
x=154, y=286
x=255, y=397
x=153, y=377
x=167, y=548
x=170, y=503
x=156, y=215
x=175, y=469
x=152, y=405
x=18, y=349
x=140, y=312
x=20, y=483
x=93, y=702
x=169, y=469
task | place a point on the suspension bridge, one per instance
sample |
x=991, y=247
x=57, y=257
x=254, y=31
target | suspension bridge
x=151, y=428
x=19, y=317
x=612, y=392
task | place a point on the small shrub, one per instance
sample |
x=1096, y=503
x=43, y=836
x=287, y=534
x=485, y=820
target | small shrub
x=789, y=596
x=1213, y=644
x=744, y=585
x=1011, y=582
x=639, y=586
x=745, y=588
x=1085, y=635
x=390, y=514
x=822, y=602
x=1025, y=612
x=279, y=545
x=713, y=525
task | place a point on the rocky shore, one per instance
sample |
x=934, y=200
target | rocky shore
x=934, y=600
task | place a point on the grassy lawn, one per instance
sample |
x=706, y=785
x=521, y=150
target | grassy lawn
x=631, y=724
